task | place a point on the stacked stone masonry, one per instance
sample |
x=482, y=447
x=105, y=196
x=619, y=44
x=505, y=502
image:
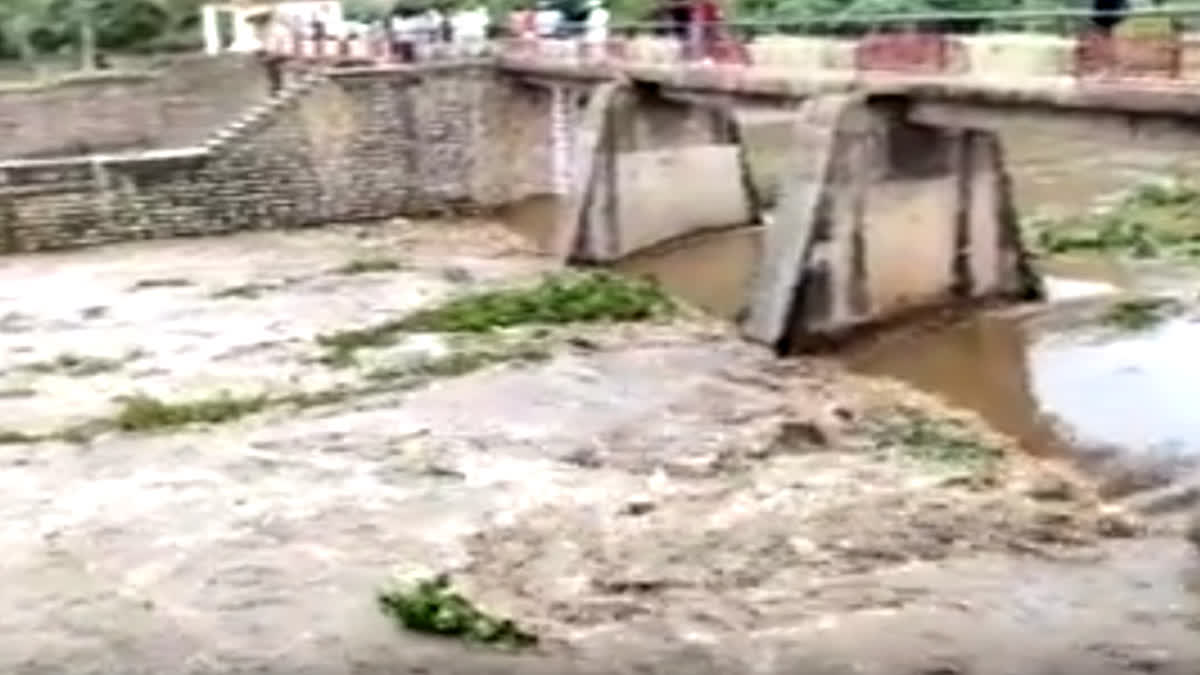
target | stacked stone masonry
x=176, y=104
x=355, y=145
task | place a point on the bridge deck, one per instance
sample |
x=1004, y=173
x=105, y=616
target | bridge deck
x=1130, y=95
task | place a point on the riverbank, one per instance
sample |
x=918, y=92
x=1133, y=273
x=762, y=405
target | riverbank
x=217, y=451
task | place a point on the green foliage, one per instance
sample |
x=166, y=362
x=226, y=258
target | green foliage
x=144, y=413
x=31, y=27
x=1155, y=220
x=365, y=11
x=432, y=606
x=369, y=265
x=10, y=437
x=460, y=362
x=1138, y=314
x=946, y=442
x=558, y=299
x=52, y=26
x=248, y=291
x=76, y=365
x=824, y=15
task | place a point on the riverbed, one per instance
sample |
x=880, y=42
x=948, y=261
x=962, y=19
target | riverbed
x=650, y=497
x=1113, y=403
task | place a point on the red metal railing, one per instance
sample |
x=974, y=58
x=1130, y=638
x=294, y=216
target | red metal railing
x=1100, y=54
x=915, y=52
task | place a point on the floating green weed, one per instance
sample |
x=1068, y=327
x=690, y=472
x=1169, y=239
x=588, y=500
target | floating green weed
x=432, y=606
x=557, y=299
x=247, y=290
x=1137, y=314
x=11, y=437
x=143, y=413
x=161, y=282
x=76, y=365
x=1154, y=220
x=459, y=363
x=918, y=436
x=369, y=265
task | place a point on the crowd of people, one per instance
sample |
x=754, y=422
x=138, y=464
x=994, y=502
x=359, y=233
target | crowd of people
x=412, y=30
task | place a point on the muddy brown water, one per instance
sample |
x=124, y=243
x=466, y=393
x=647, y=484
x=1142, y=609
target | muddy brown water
x=1119, y=405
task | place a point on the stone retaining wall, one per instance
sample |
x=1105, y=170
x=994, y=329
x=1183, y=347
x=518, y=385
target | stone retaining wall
x=178, y=104
x=357, y=145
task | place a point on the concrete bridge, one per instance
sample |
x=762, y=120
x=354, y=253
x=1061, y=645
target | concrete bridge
x=878, y=195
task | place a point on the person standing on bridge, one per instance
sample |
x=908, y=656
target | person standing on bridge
x=595, y=35
x=1108, y=14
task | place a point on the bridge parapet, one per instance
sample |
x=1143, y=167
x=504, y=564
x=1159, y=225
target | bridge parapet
x=1148, y=44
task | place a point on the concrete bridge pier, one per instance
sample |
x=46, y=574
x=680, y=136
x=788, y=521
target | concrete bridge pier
x=869, y=215
x=646, y=170
x=879, y=217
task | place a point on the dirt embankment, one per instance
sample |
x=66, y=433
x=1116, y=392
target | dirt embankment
x=645, y=496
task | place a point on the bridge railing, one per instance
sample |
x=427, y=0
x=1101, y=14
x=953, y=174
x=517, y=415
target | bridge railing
x=1160, y=44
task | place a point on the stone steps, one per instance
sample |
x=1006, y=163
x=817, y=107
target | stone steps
x=256, y=116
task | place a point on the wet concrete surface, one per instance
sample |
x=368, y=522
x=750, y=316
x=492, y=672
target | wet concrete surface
x=257, y=545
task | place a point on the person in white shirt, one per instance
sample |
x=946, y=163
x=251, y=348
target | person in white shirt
x=470, y=30
x=595, y=36
x=547, y=20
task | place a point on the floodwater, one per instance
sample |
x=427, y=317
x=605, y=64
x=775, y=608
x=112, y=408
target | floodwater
x=712, y=270
x=1119, y=405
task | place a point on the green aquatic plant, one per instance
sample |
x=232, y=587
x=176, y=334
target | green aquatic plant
x=921, y=437
x=557, y=299
x=433, y=606
x=460, y=362
x=1153, y=220
x=76, y=365
x=1137, y=314
x=369, y=265
x=144, y=413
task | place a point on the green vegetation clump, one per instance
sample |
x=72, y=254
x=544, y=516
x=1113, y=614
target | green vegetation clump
x=557, y=299
x=369, y=265
x=1137, y=314
x=459, y=363
x=248, y=291
x=432, y=606
x=145, y=413
x=76, y=365
x=1155, y=220
x=164, y=282
x=944, y=442
x=10, y=437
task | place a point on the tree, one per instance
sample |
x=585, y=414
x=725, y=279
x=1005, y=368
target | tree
x=83, y=13
x=19, y=20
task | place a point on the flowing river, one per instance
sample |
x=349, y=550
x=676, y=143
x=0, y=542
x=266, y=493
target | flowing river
x=1118, y=404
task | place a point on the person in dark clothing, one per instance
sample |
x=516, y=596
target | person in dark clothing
x=1107, y=14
